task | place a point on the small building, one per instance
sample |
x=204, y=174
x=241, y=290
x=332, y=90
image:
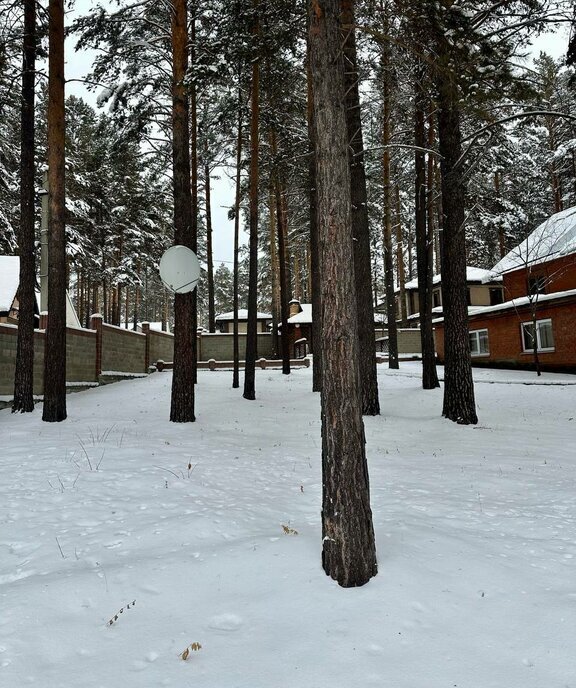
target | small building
x=300, y=332
x=539, y=282
x=9, y=285
x=225, y=321
x=300, y=328
x=484, y=289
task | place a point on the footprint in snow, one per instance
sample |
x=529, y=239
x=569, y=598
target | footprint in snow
x=225, y=622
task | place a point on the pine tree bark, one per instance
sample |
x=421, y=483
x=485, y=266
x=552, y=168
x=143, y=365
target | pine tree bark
x=423, y=238
x=400, y=260
x=193, y=132
x=282, y=235
x=274, y=271
x=251, y=327
x=236, y=347
x=314, y=248
x=24, y=374
x=459, y=403
x=284, y=307
x=182, y=401
x=209, y=254
x=349, y=553
x=360, y=227
x=55, y=341
x=387, y=231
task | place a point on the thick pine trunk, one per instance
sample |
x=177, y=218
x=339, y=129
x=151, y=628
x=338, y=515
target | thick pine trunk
x=182, y=402
x=314, y=257
x=459, y=403
x=349, y=553
x=251, y=327
x=55, y=342
x=423, y=239
x=24, y=375
x=360, y=227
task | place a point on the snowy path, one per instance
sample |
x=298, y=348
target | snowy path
x=475, y=527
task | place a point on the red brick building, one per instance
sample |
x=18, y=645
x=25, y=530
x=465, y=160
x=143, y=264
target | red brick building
x=539, y=280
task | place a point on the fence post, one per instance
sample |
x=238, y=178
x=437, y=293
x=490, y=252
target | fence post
x=96, y=324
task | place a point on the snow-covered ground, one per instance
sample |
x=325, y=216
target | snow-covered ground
x=475, y=533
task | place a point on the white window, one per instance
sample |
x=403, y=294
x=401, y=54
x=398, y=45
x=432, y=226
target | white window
x=544, y=336
x=479, y=343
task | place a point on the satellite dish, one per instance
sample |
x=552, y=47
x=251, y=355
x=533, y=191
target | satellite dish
x=180, y=269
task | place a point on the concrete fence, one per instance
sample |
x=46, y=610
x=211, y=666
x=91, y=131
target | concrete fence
x=91, y=354
x=104, y=352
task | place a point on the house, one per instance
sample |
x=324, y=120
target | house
x=484, y=289
x=9, y=279
x=539, y=282
x=300, y=332
x=9, y=283
x=225, y=321
x=300, y=328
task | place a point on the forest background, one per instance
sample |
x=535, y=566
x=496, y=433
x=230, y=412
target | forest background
x=119, y=190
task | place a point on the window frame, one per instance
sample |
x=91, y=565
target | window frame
x=539, y=348
x=536, y=284
x=477, y=338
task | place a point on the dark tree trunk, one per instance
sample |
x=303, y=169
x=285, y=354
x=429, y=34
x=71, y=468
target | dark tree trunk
x=55, y=342
x=282, y=235
x=400, y=260
x=193, y=133
x=251, y=327
x=349, y=553
x=236, y=356
x=24, y=375
x=387, y=233
x=459, y=404
x=182, y=406
x=284, y=307
x=274, y=271
x=360, y=227
x=209, y=254
x=314, y=257
x=423, y=239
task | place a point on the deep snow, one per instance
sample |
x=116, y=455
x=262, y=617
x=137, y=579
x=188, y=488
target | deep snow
x=475, y=534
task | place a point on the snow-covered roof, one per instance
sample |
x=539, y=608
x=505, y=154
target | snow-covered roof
x=554, y=238
x=472, y=275
x=9, y=280
x=242, y=315
x=304, y=317
x=516, y=303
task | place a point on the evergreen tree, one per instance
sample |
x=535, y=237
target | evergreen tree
x=349, y=554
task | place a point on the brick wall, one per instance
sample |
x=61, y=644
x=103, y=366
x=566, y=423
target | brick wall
x=505, y=339
x=80, y=357
x=559, y=275
x=408, y=339
x=123, y=350
x=161, y=346
x=220, y=346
